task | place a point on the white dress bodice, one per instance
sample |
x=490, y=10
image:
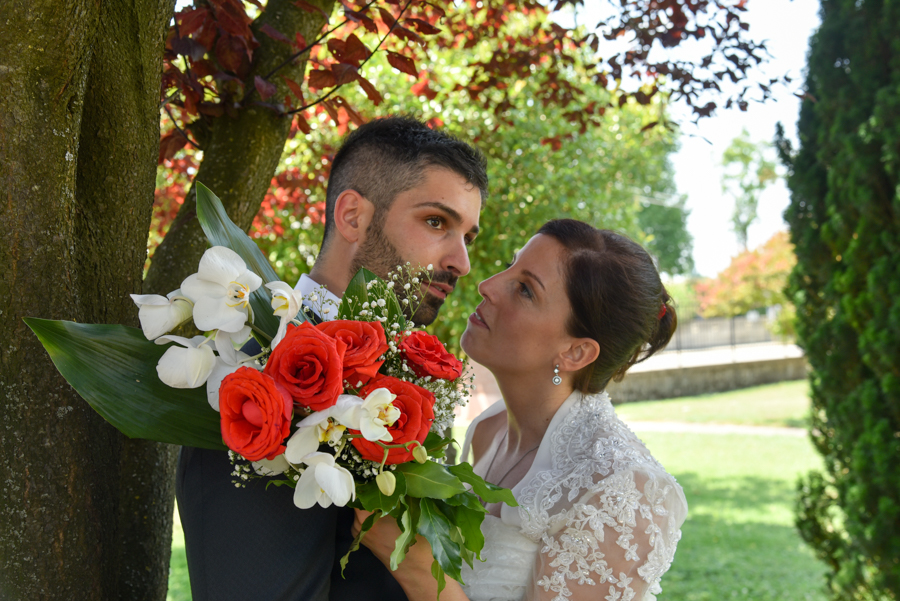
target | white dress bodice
x=598, y=516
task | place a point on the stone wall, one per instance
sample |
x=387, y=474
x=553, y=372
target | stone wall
x=704, y=379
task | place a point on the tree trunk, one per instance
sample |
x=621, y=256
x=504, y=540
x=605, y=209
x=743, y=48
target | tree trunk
x=78, y=143
x=115, y=183
x=240, y=154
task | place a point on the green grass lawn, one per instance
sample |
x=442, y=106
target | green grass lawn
x=739, y=541
x=782, y=404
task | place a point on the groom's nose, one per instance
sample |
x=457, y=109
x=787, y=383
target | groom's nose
x=456, y=258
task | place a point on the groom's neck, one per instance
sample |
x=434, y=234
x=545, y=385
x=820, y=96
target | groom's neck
x=331, y=273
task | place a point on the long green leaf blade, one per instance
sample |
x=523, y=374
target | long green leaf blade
x=113, y=368
x=221, y=231
x=487, y=491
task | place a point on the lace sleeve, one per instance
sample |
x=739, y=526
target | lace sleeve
x=614, y=543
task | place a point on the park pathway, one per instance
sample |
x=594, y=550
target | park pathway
x=695, y=428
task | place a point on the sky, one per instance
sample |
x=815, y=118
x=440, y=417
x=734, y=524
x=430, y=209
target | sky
x=786, y=25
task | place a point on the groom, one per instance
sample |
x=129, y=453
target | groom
x=398, y=191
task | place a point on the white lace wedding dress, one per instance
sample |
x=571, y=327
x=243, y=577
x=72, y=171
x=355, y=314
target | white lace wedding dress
x=598, y=516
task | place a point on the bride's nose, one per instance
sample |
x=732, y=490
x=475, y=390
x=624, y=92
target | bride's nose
x=486, y=287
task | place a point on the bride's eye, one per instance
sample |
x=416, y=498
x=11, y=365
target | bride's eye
x=524, y=290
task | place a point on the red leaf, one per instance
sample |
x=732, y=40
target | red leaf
x=355, y=51
x=310, y=8
x=354, y=116
x=320, y=79
x=422, y=89
x=203, y=68
x=404, y=33
x=274, y=34
x=295, y=88
x=422, y=26
x=302, y=125
x=370, y=90
x=343, y=73
x=211, y=108
x=230, y=53
x=332, y=111
x=387, y=17
x=301, y=41
x=265, y=88
x=169, y=144
x=401, y=63
x=192, y=20
x=650, y=125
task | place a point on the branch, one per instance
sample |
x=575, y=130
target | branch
x=181, y=131
x=361, y=65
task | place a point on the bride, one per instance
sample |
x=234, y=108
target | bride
x=598, y=516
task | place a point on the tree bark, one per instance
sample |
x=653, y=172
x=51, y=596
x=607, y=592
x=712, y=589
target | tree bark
x=53, y=448
x=78, y=143
x=241, y=154
x=115, y=183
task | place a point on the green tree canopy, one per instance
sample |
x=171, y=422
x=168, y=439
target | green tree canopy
x=748, y=171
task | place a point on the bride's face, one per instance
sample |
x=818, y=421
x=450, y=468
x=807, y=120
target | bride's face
x=521, y=324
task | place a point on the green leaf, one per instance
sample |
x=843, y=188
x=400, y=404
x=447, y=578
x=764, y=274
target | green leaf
x=430, y=480
x=435, y=527
x=113, y=368
x=487, y=491
x=467, y=555
x=438, y=574
x=373, y=499
x=407, y=523
x=469, y=523
x=366, y=526
x=221, y=231
x=358, y=292
x=466, y=499
x=435, y=444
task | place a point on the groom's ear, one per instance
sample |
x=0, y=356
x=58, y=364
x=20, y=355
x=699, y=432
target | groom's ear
x=581, y=353
x=352, y=215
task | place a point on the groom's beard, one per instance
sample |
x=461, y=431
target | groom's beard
x=379, y=256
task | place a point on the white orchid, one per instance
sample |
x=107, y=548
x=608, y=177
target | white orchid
x=227, y=344
x=186, y=365
x=286, y=303
x=271, y=467
x=221, y=369
x=373, y=416
x=324, y=482
x=221, y=290
x=321, y=426
x=162, y=314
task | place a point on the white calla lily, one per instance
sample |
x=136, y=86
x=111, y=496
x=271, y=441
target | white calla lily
x=324, y=482
x=162, y=314
x=221, y=290
x=271, y=467
x=319, y=427
x=221, y=369
x=186, y=365
x=286, y=303
x=374, y=415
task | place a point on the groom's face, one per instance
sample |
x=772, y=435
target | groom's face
x=431, y=224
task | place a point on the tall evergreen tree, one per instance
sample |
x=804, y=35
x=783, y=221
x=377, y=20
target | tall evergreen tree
x=845, y=222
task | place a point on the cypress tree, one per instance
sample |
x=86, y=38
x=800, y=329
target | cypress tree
x=845, y=223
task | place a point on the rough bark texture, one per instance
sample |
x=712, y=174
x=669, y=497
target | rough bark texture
x=115, y=182
x=240, y=155
x=78, y=140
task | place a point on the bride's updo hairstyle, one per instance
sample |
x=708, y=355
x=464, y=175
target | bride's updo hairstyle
x=617, y=299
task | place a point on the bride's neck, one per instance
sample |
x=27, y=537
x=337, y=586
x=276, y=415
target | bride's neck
x=530, y=407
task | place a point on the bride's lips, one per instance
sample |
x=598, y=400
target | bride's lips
x=477, y=320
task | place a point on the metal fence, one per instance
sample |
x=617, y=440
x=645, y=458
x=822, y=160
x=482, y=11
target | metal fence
x=701, y=333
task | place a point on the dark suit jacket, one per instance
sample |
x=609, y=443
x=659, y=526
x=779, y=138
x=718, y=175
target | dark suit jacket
x=253, y=544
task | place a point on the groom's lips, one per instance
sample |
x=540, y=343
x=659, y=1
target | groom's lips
x=440, y=290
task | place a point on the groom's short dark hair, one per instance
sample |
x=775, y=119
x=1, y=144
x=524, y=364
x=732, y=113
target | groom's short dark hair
x=388, y=156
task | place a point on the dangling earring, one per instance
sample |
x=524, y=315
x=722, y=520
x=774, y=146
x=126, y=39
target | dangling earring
x=556, y=379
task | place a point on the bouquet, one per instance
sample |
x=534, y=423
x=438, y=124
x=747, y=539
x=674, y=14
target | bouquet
x=350, y=411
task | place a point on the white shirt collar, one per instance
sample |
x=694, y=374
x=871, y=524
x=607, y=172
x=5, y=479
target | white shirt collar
x=326, y=299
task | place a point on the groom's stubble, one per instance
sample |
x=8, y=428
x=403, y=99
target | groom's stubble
x=380, y=256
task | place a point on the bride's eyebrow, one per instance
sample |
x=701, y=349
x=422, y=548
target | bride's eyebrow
x=534, y=277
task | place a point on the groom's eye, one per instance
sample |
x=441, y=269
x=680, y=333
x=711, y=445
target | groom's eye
x=435, y=222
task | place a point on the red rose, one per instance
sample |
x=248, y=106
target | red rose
x=416, y=407
x=426, y=356
x=309, y=364
x=256, y=414
x=365, y=342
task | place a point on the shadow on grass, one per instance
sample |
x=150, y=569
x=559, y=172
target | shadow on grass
x=736, y=545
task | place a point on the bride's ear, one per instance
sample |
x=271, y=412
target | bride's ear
x=581, y=353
